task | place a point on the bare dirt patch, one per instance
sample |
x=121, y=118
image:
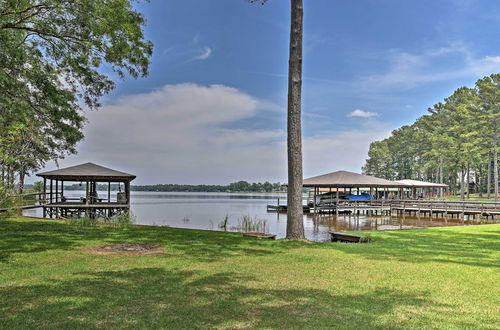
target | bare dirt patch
x=133, y=249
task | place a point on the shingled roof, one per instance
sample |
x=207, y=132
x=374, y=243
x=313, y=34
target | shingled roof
x=345, y=179
x=421, y=184
x=87, y=171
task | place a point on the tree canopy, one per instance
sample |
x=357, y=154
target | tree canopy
x=57, y=58
x=457, y=135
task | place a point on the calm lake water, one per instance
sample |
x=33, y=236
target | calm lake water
x=208, y=210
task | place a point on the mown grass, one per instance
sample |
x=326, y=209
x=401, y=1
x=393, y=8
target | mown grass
x=433, y=278
x=472, y=198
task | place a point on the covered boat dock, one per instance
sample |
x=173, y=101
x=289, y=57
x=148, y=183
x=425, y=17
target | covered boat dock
x=412, y=187
x=56, y=204
x=347, y=181
x=348, y=192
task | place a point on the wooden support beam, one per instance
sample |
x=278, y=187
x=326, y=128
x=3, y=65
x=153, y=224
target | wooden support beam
x=51, y=187
x=314, y=200
x=337, y=203
x=86, y=192
x=44, y=196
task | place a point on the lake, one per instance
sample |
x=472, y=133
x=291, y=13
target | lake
x=207, y=211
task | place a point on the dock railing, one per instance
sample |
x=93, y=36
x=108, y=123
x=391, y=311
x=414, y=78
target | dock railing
x=466, y=207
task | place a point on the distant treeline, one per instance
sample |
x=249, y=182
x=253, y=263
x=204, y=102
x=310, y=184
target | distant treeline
x=240, y=186
x=457, y=142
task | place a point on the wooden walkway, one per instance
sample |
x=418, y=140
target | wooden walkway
x=406, y=207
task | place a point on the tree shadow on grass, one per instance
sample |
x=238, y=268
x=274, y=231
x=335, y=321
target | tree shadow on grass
x=37, y=236
x=47, y=235
x=473, y=248
x=432, y=245
x=170, y=298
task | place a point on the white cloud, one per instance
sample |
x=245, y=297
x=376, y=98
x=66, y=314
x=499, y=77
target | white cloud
x=407, y=70
x=362, y=114
x=182, y=134
x=346, y=150
x=204, y=53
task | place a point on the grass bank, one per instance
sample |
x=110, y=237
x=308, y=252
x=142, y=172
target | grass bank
x=471, y=198
x=439, y=278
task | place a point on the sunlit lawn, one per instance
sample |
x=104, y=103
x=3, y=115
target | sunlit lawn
x=472, y=198
x=433, y=278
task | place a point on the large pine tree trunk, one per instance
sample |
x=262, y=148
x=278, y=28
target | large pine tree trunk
x=495, y=172
x=462, y=183
x=467, y=186
x=22, y=175
x=295, y=222
x=480, y=181
x=441, y=190
x=488, y=178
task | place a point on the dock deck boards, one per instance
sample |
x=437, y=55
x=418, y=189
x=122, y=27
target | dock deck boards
x=431, y=208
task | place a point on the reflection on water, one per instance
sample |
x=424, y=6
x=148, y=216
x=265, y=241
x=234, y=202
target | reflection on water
x=208, y=210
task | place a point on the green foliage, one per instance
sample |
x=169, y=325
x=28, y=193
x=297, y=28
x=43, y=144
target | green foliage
x=84, y=222
x=366, y=238
x=38, y=186
x=247, y=224
x=456, y=135
x=52, y=57
x=118, y=221
x=121, y=220
x=240, y=186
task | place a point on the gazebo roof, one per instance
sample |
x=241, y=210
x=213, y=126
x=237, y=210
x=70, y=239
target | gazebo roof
x=87, y=171
x=345, y=179
x=421, y=184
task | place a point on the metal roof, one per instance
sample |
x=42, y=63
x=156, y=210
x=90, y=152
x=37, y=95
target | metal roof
x=348, y=180
x=421, y=184
x=87, y=171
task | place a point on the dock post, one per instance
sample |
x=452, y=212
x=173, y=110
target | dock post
x=463, y=211
x=44, y=197
x=482, y=212
x=314, y=202
x=337, y=204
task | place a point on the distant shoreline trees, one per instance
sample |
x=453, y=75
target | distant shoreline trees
x=457, y=136
x=239, y=186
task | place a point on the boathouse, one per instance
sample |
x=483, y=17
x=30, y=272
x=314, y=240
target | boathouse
x=345, y=181
x=413, y=187
x=89, y=175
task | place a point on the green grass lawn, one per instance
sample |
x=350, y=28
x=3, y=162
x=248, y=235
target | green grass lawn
x=472, y=198
x=433, y=278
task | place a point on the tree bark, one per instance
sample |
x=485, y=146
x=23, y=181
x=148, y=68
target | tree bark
x=22, y=175
x=462, y=183
x=295, y=213
x=488, y=178
x=468, y=182
x=480, y=181
x=495, y=172
x=441, y=191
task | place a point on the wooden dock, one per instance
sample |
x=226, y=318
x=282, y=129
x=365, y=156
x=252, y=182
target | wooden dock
x=344, y=237
x=72, y=209
x=419, y=208
x=283, y=208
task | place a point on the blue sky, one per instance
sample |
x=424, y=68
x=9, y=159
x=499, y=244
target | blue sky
x=213, y=109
